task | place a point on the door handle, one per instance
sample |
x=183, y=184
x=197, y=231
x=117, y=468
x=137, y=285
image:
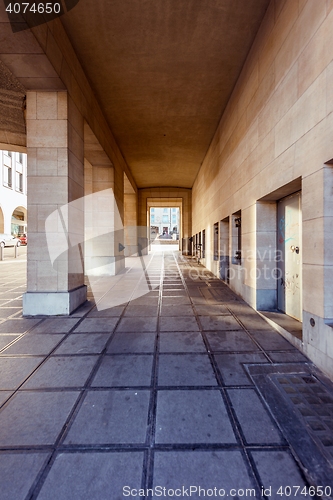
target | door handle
x=293, y=248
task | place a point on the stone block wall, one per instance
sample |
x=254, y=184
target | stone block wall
x=275, y=138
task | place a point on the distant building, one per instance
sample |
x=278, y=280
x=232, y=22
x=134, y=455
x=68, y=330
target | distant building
x=13, y=192
x=164, y=222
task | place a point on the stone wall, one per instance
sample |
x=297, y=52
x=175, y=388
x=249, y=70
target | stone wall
x=275, y=138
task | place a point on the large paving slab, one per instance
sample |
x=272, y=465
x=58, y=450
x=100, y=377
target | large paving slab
x=34, y=344
x=62, y=371
x=191, y=470
x=185, y=370
x=191, y=417
x=181, y=342
x=132, y=342
x=111, y=417
x=19, y=472
x=14, y=370
x=124, y=370
x=32, y=419
x=95, y=476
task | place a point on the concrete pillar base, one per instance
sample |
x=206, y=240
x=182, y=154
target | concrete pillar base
x=53, y=303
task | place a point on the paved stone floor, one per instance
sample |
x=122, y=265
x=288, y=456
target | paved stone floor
x=180, y=388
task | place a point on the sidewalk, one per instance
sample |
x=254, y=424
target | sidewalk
x=183, y=390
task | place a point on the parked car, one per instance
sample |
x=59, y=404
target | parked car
x=23, y=239
x=7, y=240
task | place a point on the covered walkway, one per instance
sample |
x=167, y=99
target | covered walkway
x=182, y=387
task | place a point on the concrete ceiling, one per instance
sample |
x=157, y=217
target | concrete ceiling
x=163, y=71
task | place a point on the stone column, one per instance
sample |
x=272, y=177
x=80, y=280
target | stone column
x=130, y=224
x=317, y=212
x=130, y=218
x=103, y=225
x=55, y=281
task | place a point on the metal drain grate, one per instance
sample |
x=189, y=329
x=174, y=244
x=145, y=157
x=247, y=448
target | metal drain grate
x=315, y=405
x=309, y=380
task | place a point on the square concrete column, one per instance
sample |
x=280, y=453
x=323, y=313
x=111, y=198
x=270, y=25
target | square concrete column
x=55, y=281
x=104, y=231
x=130, y=224
x=317, y=210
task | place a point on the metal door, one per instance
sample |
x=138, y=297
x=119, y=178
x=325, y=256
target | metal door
x=289, y=258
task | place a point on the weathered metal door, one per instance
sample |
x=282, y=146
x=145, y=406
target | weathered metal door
x=289, y=287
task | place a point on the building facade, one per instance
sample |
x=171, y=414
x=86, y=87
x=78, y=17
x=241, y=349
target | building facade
x=164, y=222
x=13, y=192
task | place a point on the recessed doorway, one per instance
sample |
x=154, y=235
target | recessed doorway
x=289, y=245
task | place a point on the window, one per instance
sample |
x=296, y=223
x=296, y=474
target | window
x=203, y=243
x=237, y=238
x=165, y=210
x=238, y=222
x=174, y=209
x=174, y=219
x=152, y=218
x=165, y=219
x=7, y=176
x=216, y=241
x=19, y=177
x=152, y=210
x=20, y=157
x=19, y=182
x=7, y=158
